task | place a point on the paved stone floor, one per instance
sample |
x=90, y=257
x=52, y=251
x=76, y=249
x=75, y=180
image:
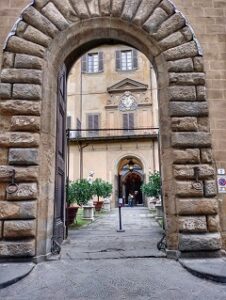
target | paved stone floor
x=100, y=263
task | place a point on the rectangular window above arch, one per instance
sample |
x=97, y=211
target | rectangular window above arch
x=126, y=60
x=128, y=123
x=93, y=122
x=93, y=63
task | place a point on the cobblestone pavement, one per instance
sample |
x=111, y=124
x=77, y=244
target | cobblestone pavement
x=100, y=263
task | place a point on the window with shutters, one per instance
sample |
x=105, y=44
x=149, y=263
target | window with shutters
x=93, y=123
x=92, y=63
x=78, y=127
x=126, y=60
x=128, y=123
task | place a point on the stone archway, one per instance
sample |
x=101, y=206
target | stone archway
x=51, y=32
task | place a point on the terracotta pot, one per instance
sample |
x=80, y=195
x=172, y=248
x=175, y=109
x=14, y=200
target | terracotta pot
x=71, y=214
x=98, y=205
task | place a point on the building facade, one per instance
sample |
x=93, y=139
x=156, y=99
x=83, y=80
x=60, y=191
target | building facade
x=112, y=97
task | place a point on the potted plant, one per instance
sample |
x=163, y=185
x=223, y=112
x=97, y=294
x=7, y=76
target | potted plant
x=103, y=189
x=153, y=187
x=72, y=207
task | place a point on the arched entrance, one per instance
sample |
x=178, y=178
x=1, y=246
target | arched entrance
x=51, y=33
x=131, y=176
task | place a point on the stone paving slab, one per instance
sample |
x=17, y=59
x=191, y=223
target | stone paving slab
x=13, y=272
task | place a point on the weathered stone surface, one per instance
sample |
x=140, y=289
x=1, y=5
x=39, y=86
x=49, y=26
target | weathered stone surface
x=129, y=9
x=193, y=224
x=34, y=35
x=182, y=109
x=81, y=8
x=117, y=6
x=171, y=41
x=22, y=157
x=33, y=17
x=7, y=60
x=21, y=76
x=155, y=20
x=207, y=155
x=198, y=64
x=22, y=174
x=25, y=191
x=188, y=189
x=195, y=139
x=197, y=206
x=199, y=242
x=181, y=65
x=187, y=33
x=210, y=188
x=24, y=61
x=19, y=45
x=105, y=7
x=182, y=93
x=186, y=50
x=53, y=14
x=145, y=9
x=187, y=78
x=213, y=223
x=17, y=249
x=5, y=90
x=27, y=91
x=66, y=10
x=186, y=156
x=19, y=229
x=185, y=124
x=19, y=107
x=1, y=226
x=188, y=171
x=93, y=6
x=18, y=210
x=40, y=3
x=11, y=139
x=201, y=93
x=25, y=123
x=171, y=25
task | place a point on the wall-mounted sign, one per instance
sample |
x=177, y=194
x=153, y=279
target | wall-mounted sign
x=221, y=171
x=221, y=183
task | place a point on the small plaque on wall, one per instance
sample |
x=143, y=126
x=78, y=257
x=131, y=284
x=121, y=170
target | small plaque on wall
x=221, y=183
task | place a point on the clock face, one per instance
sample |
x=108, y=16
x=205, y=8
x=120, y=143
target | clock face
x=127, y=102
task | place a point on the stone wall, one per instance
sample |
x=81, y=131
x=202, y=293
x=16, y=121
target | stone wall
x=164, y=36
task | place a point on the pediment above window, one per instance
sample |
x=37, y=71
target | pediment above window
x=127, y=85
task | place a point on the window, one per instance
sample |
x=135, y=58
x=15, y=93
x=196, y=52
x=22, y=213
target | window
x=128, y=123
x=78, y=127
x=93, y=123
x=92, y=63
x=126, y=60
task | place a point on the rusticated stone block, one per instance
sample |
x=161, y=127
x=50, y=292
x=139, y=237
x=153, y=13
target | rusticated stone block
x=213, y=223
x=185, y=124
x=201, y=93
x=105, y=7
x=23, y=156
x=19, y=107
x=181, y=65
x=81, y=8
x=33, y=17
x=189, y=189
x=27, y=91
x=198, y=64
x=40, y=3
x=1, y=226
x=22, y=174
x=155, y=20
x=25, y=123
x=186, y=50
x=25, y=191
x=183, y=109
x=193, y=224
x=19, y=229
x=197, y=206
x=200, y=242
x=207, y=155
x=66, y=10
x=173, y=40
x=94, y=8
x=167, y=6
x=186, y=156
x=188, y=172
x=129, y=9
x=210, y=188
x=193, y=140
x=19, y=45
x=17, y=249
x=142, y=12
x=18, y=210
x=5, y=90
x=11, y=139
x=187, y=78
x=182, y=93
x=7, y=60
x=53, y=14
x=21, y=76
x=24, y=61
x=34, y=35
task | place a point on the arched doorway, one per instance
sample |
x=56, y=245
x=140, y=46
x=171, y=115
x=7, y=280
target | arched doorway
x=131, y=176
x=52, y=33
